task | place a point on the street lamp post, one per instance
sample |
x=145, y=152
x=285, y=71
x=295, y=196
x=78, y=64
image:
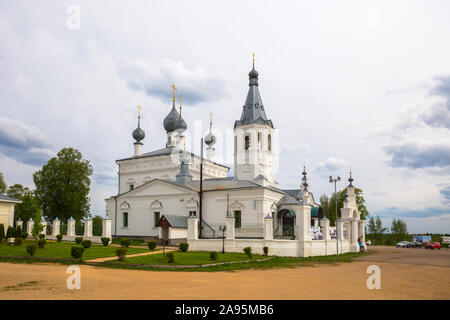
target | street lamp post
x=223, y=229
x=335, y=198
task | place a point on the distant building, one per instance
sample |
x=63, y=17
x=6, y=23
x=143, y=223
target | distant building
x=7, y=210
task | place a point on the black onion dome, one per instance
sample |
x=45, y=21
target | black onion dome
x=138, y=134
x=170, y=121
x=253, y=73
x=180, y=124
x=210, y=139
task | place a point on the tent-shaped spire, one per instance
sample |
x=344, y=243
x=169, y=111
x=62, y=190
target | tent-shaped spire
x=253, y=110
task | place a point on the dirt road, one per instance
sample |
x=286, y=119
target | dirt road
x=405, y=274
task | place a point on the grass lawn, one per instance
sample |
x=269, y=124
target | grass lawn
x=275, y=262
x=62, y=250
x=189, y=258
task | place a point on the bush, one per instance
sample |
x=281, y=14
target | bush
x=125, y=243
x=213, y=256
x=59, y=237
x=86, y=243
x=31, y=249
x=41, y=243
x=76, y=252
x=248, y=251
x=10, y=233
x=152, y=244
x=18, y=242
x=266, y=251
x=2, y=232
x=24, y=235
x=78, y=240
x=170, y=257
x=18, y=232
x=121, y=253
x=41, y=236
x=105, y=241
x=183, y=246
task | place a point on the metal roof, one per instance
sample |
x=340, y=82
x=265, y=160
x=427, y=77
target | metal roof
x=9, y=199
x=175, y=221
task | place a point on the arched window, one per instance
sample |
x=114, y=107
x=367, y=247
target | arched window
x=247, y=142
x=259, y=140
x=269, y=142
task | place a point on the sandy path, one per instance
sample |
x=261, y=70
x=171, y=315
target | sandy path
x=128, y=256
x=343, y=281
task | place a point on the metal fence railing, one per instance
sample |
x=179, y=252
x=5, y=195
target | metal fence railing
x=212, y=230
x=250, y=231
x=288, y=232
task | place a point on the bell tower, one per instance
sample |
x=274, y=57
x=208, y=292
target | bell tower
x=253, y=137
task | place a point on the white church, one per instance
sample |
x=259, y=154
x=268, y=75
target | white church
x=173, y=195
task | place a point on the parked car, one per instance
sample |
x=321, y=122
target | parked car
x=433, y=245
x=414, y=244
x=402, y=244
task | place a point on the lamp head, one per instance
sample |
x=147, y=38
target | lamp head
x=331, y=179
x=338, y=178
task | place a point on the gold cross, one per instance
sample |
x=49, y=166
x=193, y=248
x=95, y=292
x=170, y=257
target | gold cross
x=173, y=94
x=181, y=99
x=253, y=56
x=139, y=110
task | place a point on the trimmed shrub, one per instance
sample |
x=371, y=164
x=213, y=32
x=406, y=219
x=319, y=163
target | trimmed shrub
x=78, y=240
x=76, y=252
x=121, y=253
x=248, y=251
x=31, y=249
x=125, y=243
x=18, y=242
x=266, y=251
x=24, y=235
x=86, y=243
x=183, y=246
x=59, y=237
x=2, y=232
x=41, y=243
x=18, y=233
x=213, y=255
x=10, y=233
x=152, y=244
x=41, y=236
x=170, y=257
x=105, y=241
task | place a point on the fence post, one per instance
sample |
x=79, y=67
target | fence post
x=325, y=223
x=56, y=227
x=71, y=227
x=106, y=228
x=30, y=224
x=303, y=221
x=19, y=223
x=88, y=227
x=192, y=233
x=44, y=230
x=268, y=227
x=229, y=222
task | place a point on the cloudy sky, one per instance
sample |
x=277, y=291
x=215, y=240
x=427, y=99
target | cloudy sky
x=360, y=84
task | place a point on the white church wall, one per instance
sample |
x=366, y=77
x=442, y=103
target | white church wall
x=177, y=233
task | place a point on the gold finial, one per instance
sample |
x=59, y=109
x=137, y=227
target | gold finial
x=173, y=94
x=253, y=54
x=181, y=99
x=139, y=110
x=210, y=121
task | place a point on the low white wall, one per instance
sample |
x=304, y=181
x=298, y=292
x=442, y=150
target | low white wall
x=282, y=248
x=94, y=239
x=177, y=233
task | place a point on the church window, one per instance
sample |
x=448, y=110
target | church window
x=125, y=219
x=259, y=140
x=156, y=217
x=269, y=142
x=235, y=144
x=237, y=219
x=193, y=213
x=247, y=142
x=131, y=186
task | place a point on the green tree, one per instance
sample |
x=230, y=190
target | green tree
x=3, y=185
x=28, y=208
x=97, y=225
x=399, y=228
x=63, y=184
x=325, y=204
x=37, y=226
x=360, y=201
x=17, y=191
x=376, y=230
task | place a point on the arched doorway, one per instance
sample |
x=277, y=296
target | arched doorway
x=285, y=223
